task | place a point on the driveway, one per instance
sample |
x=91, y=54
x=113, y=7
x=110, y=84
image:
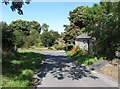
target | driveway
x=59, y=71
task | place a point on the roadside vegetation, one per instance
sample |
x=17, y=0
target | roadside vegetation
x=100, y=22
x=82, y=56
x=18, y=71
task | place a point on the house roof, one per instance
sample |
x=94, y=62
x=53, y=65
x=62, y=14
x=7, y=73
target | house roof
x=83, y=35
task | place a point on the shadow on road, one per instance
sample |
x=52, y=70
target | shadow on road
x=61, y=67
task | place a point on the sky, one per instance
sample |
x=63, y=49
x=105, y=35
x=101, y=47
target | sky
x=55, y=14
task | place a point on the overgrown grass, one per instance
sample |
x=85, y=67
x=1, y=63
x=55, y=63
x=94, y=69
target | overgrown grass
x=83, y=57
x=19, y=71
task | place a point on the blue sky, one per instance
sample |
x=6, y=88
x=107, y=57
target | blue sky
x=55, y=14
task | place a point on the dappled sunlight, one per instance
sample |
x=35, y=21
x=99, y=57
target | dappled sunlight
x=21, y=69
x=61, y=67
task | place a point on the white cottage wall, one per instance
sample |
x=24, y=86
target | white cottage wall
x=82, y=43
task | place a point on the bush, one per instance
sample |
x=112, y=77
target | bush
x=59, y=46
x=47, y=39
x=27, y=72
x=70, y=54
x=68, y=47
x=82, y=57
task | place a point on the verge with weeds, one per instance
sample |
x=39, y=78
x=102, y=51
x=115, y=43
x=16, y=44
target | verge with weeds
x=18, y=71
x=82, y=56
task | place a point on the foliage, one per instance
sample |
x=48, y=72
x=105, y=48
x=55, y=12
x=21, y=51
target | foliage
x=19, y=38
x=34, y=25
x=76, y=25
x=82, y=57
x=33, y=39
x=8, y=39
x=59, y=43
x=27, y=72
x=25, y=26
x=69, y=54
x=45, y=27
x=102, y=25
x=70, y=34
x=100, y=22
x=48, y=38
x=11, y=82
x=15, y=5
x=19, y=33
x=59, y=46
x=55, y=34
x=18, y=72
x=68, y=47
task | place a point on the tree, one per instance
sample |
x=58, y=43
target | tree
x=76, y=16
x=71, y=32
x=25, y=32
x=45, y=27
x=55, y=34
x=33, y=39
x=22, y=25
x=47, y=39
x=16, y=5
x=19, y=39
x=7, y=37
x=102, y=24
x=76, y=24
x=34, y=25
x=7, y=41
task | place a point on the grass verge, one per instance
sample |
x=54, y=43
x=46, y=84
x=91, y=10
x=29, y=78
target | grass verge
x=83, y=58
x=18, y=71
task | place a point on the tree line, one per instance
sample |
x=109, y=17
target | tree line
x=101, y=22
x=25, y=34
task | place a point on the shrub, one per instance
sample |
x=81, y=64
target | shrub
x=16, y=62
x=59, y=46
x=81, y=56
x=69, y=54
x=27, y=72
x=47, y=39
x=68, y=47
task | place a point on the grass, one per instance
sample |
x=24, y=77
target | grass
x=69, y=54
x=83, y=58
x=19, y=71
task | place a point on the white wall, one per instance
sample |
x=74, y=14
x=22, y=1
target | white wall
x=82, y=43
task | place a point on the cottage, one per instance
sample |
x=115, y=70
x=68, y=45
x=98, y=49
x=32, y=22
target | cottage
x=84, y=42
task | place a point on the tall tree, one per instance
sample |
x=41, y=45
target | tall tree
x=76, y=24
x=7, y=37
x=34, y=25
x=102, y=24
x=101, y=21
x=7, y=42
x=22, y=25
x=25, y=31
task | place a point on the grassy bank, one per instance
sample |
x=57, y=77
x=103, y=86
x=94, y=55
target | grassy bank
x=18, y=71
x=82, y=57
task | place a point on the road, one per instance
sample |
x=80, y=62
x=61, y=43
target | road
x=59, y=71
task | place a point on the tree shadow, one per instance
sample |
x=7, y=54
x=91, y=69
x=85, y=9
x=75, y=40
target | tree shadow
x=61, y=67
x=23, y=61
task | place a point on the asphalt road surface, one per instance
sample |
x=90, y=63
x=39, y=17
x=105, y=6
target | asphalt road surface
x=59, y=71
